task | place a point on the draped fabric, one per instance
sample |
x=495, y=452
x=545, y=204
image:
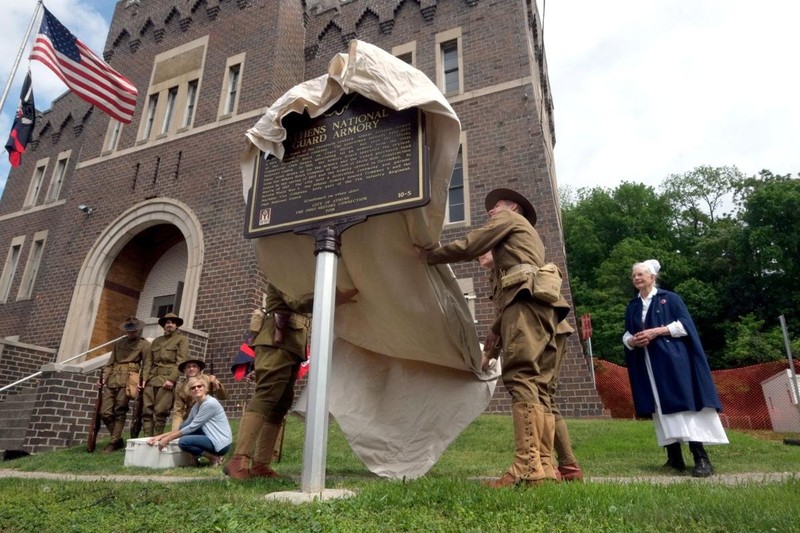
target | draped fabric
x=405, y=378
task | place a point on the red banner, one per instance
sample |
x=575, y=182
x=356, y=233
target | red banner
x=586, y=326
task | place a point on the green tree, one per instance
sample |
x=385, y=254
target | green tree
x=699, y=197
x=736, y=270
x=601, y=218
x=766, y=275
x=750, y=343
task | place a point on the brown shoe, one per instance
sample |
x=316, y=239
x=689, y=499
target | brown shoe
x=571, y=472
x=263, y=470
x=214, y=460
x=508, y=480
x=238, y=467
x=114, y=445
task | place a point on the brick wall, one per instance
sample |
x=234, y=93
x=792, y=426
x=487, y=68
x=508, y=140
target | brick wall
x=63, y=411
x=508, y=139
x=19, y=361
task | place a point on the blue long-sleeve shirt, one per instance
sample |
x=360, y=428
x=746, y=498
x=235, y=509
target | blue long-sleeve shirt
x=209, y=417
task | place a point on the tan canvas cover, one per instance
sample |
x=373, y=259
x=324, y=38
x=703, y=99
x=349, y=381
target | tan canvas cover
x=405, y=378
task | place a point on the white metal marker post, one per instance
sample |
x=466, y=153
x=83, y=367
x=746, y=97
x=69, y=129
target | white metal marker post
x=315, y=448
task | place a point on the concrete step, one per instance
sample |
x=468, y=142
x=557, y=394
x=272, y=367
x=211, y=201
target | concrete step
x=15, y=411
x=15, y=415
x=13, y=423
x=12, y=444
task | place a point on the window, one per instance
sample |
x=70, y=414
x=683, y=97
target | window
x=457, y=210
x=406, y=52
x=32, y=268
x=163, y=305
x=191, y=97
x=10, y=268
x=449, y=68
x=152, y=104
x=172, y=95
x=233, y=89
x=112, y=135
x=36, y=183
x=468, y=290
x=57, y=180
x=173, y=91
x=231, y=86
x=450, y=65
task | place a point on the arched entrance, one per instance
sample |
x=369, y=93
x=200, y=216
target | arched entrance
x=135, y=255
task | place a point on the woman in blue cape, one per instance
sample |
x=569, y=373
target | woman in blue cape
x=669, y=373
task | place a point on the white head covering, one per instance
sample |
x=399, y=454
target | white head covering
x=653, y=266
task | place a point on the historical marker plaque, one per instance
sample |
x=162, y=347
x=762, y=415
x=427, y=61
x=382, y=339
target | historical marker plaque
x=358, y=159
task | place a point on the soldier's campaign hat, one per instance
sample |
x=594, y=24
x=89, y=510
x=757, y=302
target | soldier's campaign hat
x=198, y=362
x=170, y=316
x=513, y=196
x=132, y=324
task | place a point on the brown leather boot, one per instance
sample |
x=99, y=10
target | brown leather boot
x=546, y=444
x=238, y=467
x=562, y=445
x=249, y=427
x=115, y=428
x=571, y=472
x=527, y=466
x=265, y=448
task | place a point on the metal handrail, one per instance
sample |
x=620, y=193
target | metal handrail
x=65, y=361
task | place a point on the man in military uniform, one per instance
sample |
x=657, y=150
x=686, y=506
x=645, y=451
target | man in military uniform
x=183, y=397
x=568, y=467
x=526, y=324
x=121, y=378
x=160, y=371
x=280, y=344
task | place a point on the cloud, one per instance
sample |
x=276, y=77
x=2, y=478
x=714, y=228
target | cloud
x=643, y=90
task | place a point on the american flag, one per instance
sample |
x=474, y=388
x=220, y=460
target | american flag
x=88, y=76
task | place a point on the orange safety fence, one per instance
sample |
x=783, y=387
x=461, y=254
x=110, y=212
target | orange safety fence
x=753, y=397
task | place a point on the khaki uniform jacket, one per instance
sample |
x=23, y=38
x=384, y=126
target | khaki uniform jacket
x=295, y=335
x=126, y=357
x=513, y=241
x=184, y=399
x=166, y=353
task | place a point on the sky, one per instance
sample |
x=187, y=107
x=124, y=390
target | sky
x=642, y=89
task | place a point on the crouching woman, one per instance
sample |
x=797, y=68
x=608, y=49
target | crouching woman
x=206, y=431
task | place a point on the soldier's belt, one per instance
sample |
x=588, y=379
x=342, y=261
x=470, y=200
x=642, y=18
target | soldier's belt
x=516, y=275
x=297, y=320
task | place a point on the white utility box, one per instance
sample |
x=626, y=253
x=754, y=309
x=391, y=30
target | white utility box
x=779, y=393
x=139, y=453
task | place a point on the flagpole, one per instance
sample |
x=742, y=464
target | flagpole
x=19, y=55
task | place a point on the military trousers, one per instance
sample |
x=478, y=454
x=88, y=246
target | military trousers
x=156, y=405
x=276, y=374
x=115, y=403
x=528, y=331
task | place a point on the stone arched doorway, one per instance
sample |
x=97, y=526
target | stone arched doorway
x=116, y=269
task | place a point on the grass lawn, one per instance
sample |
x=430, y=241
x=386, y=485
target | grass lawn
x=448, y=498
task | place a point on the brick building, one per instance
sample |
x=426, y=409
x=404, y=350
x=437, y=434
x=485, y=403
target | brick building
x=102, y=221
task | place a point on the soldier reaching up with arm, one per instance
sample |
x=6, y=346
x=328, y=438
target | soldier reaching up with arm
x=528, y=306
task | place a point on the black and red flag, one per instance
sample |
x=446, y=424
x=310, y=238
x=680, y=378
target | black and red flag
x=244, y=361
x=24, y=122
